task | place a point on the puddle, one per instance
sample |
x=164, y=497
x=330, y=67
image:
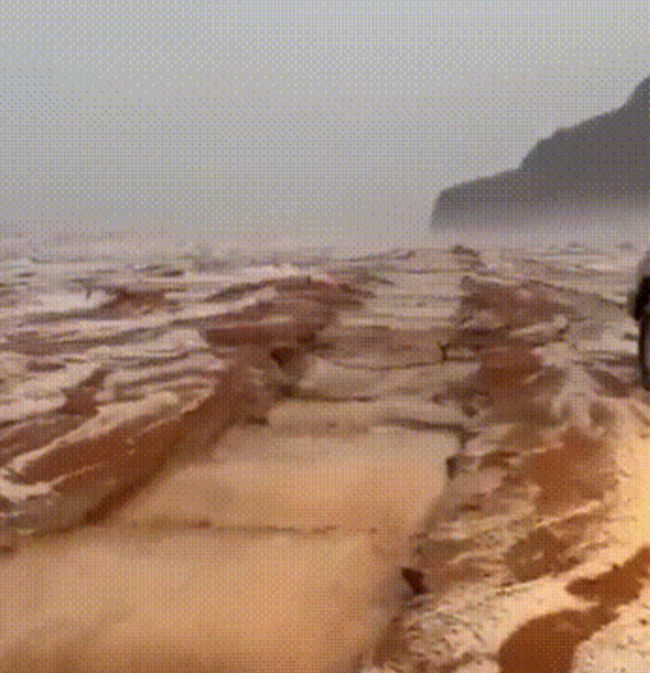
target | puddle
x=381, y=481
x=282, y=553
x=192, y=602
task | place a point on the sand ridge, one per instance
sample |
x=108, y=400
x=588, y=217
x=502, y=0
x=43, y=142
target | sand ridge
x=537, y=549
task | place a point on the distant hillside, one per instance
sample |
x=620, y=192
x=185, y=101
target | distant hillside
x=603, y=161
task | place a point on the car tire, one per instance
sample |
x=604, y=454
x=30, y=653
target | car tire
x=644, y=348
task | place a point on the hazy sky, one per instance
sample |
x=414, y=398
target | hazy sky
x=290, y=116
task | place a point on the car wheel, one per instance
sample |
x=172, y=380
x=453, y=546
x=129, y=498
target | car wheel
x=644, y=348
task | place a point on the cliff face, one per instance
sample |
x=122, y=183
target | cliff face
x=601, y=161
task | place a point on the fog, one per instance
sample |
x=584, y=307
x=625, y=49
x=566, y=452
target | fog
x=289, y=118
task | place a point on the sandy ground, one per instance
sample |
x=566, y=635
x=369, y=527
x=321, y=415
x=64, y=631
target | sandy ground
x=449, y=476
x=535, y=558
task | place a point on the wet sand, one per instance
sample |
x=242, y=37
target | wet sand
x=420, y=462
x=266, y=537
x=534, y=558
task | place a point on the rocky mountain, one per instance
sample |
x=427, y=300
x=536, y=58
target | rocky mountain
x=601, y=162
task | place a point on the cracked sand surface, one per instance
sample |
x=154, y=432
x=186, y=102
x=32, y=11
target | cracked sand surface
x=481, y=425
x=536, y=558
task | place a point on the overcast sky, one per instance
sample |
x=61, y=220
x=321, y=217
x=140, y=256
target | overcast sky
x=291, y=115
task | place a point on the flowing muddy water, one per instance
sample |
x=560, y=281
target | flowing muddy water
x=278, y=551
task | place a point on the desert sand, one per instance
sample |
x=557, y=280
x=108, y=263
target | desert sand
x=423, y=460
